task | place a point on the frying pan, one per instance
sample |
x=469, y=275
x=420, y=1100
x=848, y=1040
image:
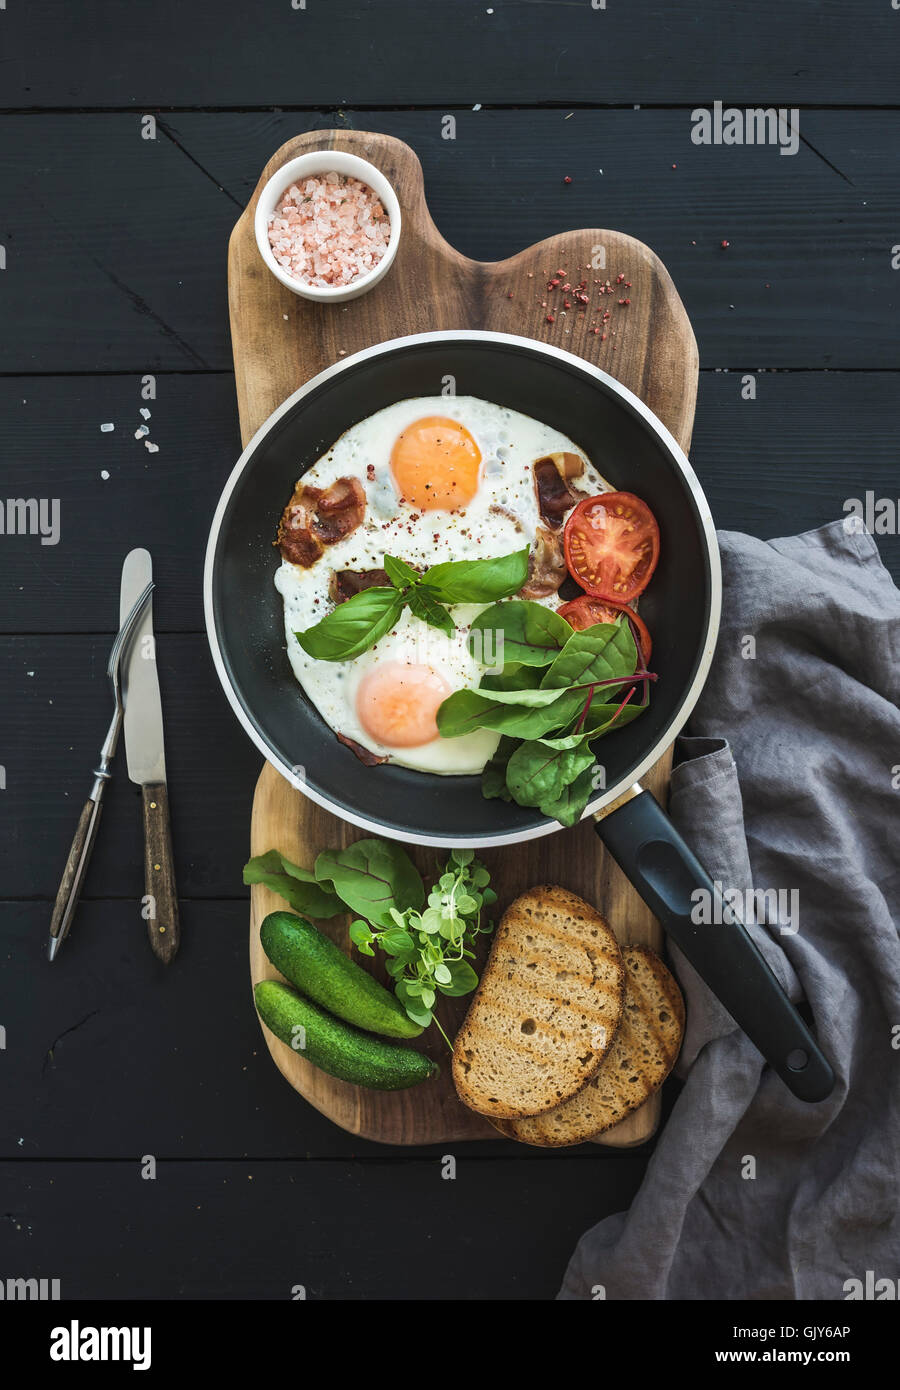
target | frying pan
x=635, y=453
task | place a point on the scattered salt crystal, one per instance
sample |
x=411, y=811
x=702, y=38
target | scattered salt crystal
x=150, y=447
x=477, y=106
x=104, y=474
x=145, y=412
x=141, y=431
x=29, y=673
x=107, y=429
x=284, y=316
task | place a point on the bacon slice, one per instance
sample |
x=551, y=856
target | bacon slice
x=546, y=565
x=555, y=496
x=313, y=519
x=365, y=755
x=347, y=583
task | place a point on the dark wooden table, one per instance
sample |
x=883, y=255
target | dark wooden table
x=113, y=289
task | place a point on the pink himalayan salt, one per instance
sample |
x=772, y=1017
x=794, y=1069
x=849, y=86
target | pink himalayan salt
x=329, y=231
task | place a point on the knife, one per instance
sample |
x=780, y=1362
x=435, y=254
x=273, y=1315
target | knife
x=145, y=753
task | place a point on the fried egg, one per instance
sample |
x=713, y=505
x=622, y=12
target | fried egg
x=445, y=478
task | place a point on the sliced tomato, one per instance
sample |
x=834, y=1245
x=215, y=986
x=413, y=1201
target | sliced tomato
x=612, y=545
x=586, y=611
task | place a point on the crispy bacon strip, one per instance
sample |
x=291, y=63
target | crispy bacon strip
x=364, y=754
x=546, y=565
x=555, y=496
x=347, y=583
x=313, y=519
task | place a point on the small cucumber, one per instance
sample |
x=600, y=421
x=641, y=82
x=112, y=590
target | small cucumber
x=311, y=961
x=335, y=1047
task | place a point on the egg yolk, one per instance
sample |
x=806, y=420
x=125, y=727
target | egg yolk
x=435, y=463
x=397, y=703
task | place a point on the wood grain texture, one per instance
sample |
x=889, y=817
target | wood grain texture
x=75, y=869
x=431, y=286
x=164, y=927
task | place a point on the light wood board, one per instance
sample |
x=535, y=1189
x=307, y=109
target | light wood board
x=279, y=342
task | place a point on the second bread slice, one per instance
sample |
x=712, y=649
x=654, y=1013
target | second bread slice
x=546, y=1011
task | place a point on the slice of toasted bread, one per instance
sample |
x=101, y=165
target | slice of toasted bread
x=546, y=1010
x=642, y=1055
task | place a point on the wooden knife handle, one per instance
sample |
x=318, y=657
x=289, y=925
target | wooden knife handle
x=76, y=868
x=159, y=873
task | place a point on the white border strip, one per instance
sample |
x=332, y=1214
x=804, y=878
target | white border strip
x=678, y=456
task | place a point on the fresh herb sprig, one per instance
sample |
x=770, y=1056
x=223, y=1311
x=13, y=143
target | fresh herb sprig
x=558, y=692
x=356, y=625
x=429, y=952
x=429, y=937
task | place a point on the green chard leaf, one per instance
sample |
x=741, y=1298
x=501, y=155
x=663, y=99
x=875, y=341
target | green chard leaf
x=520, y=631
x=466, y=710
x=513, y=677
x=493, y=778
x=568, y=807
x=354, y=626
x=597, y=653
x=373, y=876
x=297, y=886
x=478, y=581
x=540, y=769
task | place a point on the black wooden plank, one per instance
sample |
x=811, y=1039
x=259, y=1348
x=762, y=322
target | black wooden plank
x=56, y=704
x=784, y=462
x=100, y=53
x=394, y=1230
x=138, y=229
x=52, y=447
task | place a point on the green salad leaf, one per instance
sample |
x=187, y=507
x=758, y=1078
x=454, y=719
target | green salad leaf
x=372, y=877
x=298, y=886
x=559, y=690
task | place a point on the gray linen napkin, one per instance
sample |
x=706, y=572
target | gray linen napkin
x=791, y=782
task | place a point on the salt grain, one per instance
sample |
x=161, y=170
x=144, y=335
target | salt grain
x=141, y=431
x=103, y=474
x=106, y=429
x=145, y=412
x=150, y=447
x=329, y=232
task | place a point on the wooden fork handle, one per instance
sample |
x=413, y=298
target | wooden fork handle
x=161, y=906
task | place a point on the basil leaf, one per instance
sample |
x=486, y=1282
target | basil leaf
x=523, y=631
x=568, y=807
x=372, y=876
x=462, y=979
x=539, y=770
x=400, y=573
x=478, y=581
x=305, y=894
x=595, y=654
x=423, y=605
x=353, y=627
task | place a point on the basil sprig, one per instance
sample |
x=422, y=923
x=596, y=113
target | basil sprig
x=356, y=625
x=558, y=691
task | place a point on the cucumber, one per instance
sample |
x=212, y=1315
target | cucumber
x=334, y=1046
x=311, y=961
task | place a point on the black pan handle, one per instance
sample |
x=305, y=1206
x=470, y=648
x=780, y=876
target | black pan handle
x=650, y=851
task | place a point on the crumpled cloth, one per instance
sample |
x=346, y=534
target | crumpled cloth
x=790, y=780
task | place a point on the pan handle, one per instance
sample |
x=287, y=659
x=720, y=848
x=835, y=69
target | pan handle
x=650, y=851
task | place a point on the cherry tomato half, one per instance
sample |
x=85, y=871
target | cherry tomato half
x=585, y=611
x=612, y=545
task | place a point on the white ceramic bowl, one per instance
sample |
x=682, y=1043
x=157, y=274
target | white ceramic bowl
x=322, y=162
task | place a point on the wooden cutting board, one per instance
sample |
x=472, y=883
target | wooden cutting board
x=279, y=342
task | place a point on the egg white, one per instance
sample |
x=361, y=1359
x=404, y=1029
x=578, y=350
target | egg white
x=509, y=443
